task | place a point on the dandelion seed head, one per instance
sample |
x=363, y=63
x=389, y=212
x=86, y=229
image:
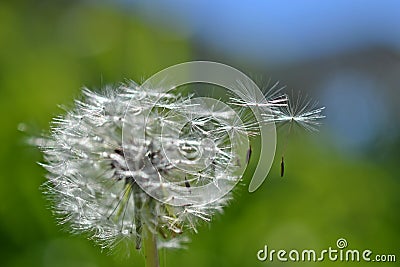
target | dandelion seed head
x=130, y=156
x=99, y=184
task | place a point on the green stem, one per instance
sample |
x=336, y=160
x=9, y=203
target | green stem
x=150, y=248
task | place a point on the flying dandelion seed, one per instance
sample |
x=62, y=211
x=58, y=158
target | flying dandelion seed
x=298, y=111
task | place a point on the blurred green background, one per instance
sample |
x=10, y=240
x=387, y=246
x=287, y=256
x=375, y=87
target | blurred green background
x=342, y=182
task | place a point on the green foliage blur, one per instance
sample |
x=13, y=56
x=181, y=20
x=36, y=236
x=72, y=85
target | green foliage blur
x=48, y=51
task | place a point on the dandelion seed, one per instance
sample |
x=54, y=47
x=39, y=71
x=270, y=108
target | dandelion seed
x=248, y=155
x=187, y=184
x=299, y=111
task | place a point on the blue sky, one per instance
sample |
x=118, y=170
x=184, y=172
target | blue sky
x=280, y=31
x=285, y=32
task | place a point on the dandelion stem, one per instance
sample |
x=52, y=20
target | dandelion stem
x=150, y=248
